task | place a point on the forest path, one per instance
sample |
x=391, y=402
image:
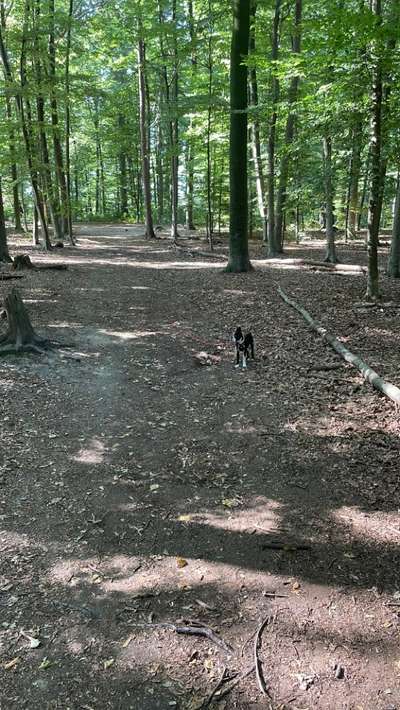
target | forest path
x=137, y=486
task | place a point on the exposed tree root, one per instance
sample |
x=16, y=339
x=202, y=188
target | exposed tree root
x=20, y=336
x=367, y=372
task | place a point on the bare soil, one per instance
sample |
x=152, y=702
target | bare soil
x=138, y=486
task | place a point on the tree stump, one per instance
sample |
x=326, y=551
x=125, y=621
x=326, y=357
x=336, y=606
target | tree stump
x=22, y=261
x=20, y=336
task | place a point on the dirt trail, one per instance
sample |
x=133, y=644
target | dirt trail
x=138, y=487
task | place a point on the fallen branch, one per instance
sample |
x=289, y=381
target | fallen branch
x=367, y=372
x=223, y=679
x=193, y=630
x=257, y=662
x=8, y=277
x=286, y=546
x=222, y=694
x=196, y=252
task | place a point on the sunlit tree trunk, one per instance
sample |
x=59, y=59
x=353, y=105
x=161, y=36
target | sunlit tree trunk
x=144, y=137
x=330, y=232
x=289, y=134
x=394, y=254
x=255, y=129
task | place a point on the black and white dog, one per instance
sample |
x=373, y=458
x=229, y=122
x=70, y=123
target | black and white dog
x=244, y=345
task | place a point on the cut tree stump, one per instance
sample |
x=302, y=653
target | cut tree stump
x=367, y=372
x=23, y=261
x=20, y=336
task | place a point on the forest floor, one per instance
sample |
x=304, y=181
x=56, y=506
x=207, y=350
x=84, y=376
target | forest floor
x=139, y=487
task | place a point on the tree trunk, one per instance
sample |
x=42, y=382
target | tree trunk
x=238, y=211
x=20, y=336
x=375, y=151
x=190, y=147
x=123, y=187
x=330, y=232
x=272, y=246
x=355, y=169
x=144, y=137
x=21, y=113
x=289, y=135
x=13, y=169
x=255, y=130
x=394, y=254
x=174, y=128
x=68, y=124
x=210, y=218
x=4, y=255
x=35, y=227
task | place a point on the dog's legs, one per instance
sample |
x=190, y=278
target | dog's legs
x=237, y=356
x=244, y=361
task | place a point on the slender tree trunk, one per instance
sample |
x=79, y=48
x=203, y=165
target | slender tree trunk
x=210, y=219
x=364, y=190
x=144, y=138
x=68, y=123
x=190, y=149
x=272, y=246
x=13, y=169
x=35, y=227
x=330, y=232
x=238, y=211
x=394, y=254
x=57, y=147
x=21, y=113
x=255, y=130
x=123, y=188
x=174, y=130
x=4, y=255
x=375, y=151
x=355, y=170
x=289, y=134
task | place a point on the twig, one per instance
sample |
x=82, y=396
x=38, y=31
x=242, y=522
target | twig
x=195, y=630
x=223, y=679
x=258, y=664
x=287, y=546
x=233, y=685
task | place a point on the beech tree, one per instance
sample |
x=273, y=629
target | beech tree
x=238, y=236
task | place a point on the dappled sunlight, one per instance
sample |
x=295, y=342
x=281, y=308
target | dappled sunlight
x=233, y=517
x=379, y=526
x=93, y=453
x=129, y=335
x=10, y=539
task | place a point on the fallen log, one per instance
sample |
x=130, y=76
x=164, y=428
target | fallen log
x=367, y=372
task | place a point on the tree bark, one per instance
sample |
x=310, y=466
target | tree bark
x=330, y=232
x=4, y=254
x=272, y=246
x=255, y=130
x=144, y=137
x=238, y=211
x=354, y=178
x=375, y=151
x=394, y=254
x=68, y=123
x=20, y=336
x=289, y=135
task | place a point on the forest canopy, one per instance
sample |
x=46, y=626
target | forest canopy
x=121, y=110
